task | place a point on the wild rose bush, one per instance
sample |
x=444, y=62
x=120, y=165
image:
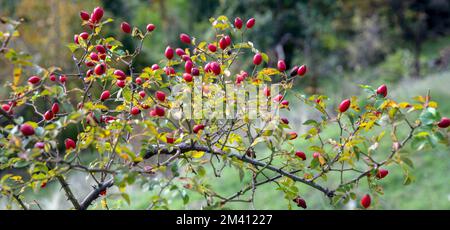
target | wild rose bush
x=165, y=126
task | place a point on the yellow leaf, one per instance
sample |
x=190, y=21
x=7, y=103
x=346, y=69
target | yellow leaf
x=17, y=73
x=269, y=71
x=197, y=154
x=104, y=203
x=433, y=104
x=322, y=160
x=404, y=105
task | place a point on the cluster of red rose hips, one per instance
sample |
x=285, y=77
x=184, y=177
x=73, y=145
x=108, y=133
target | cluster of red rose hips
x=95, y=61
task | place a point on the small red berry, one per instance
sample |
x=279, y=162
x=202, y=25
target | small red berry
x=84, y=35
x=212, y=48
x=185, y=57
x=278, y=98
x=228, y=40
x=151, y=27
x=62, y=79
x=169, y=52
x=159, y=111
x=285, y=103
x=101, y=49
x=170, y=71
x=292, y=135
x=180, y=52
x=302, y=70
x=185, y=38
x=103, y=192
x=257, y=59
x=97, y=14
x=285, y=121
x=100, y=69
x=281, y=65
x=444, y=122
x=250, y=23
x=55, y=108
x=382, y=90
x=70, y=144
x=155, y=67
x=120, y=74
x=34, y=80
x=94, y=56
x=223, y=43
x=135, y=111
x=187, y=77
x=142, y=94
x=76, y=39
x=170, y=139
x=195, y=71
x=300, y=155
x=84, y=15
x=89, y=63
x=300, y=202
x=105, y=95
x=120, y=83
x=381, y=173
x=345, y=104
x=160, y=95
x=198, y=127
x=138, y=81
x=6, y=107
x=48, y=115
x=39, y=145
x=215, y=67
x=238, y=23
x=44, y=184
x=266, y=91
x=27, y=130
x=126, y=28
x=188, y=66
x=316, y=155
x=365, y=201
x=89, y=72
x=52, y=77
x=293, y=71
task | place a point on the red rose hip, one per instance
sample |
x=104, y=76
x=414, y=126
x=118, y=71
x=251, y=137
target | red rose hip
x=382, y=173
x=302, y=70
x=238, y=23
x=105, y=95
x=48, y=115
x=185, y=38
x=84, y=15
x=301, y=155
x=70, y=144
x=55, y=108
x=150, y=27
x=250, y=23
x=168, y=52
x=34, y=80
x=126, y=28
x=444, y=122
x=27, y=130
x=365, y=201
x=281, y=65
x=257, y=59
x=345, y=104
x=160, y=95
x=382, y=90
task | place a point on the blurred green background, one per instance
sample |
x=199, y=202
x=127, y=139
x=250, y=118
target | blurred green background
x=405, y=44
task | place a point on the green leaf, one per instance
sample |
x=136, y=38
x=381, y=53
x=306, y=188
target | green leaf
x=126, y=197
